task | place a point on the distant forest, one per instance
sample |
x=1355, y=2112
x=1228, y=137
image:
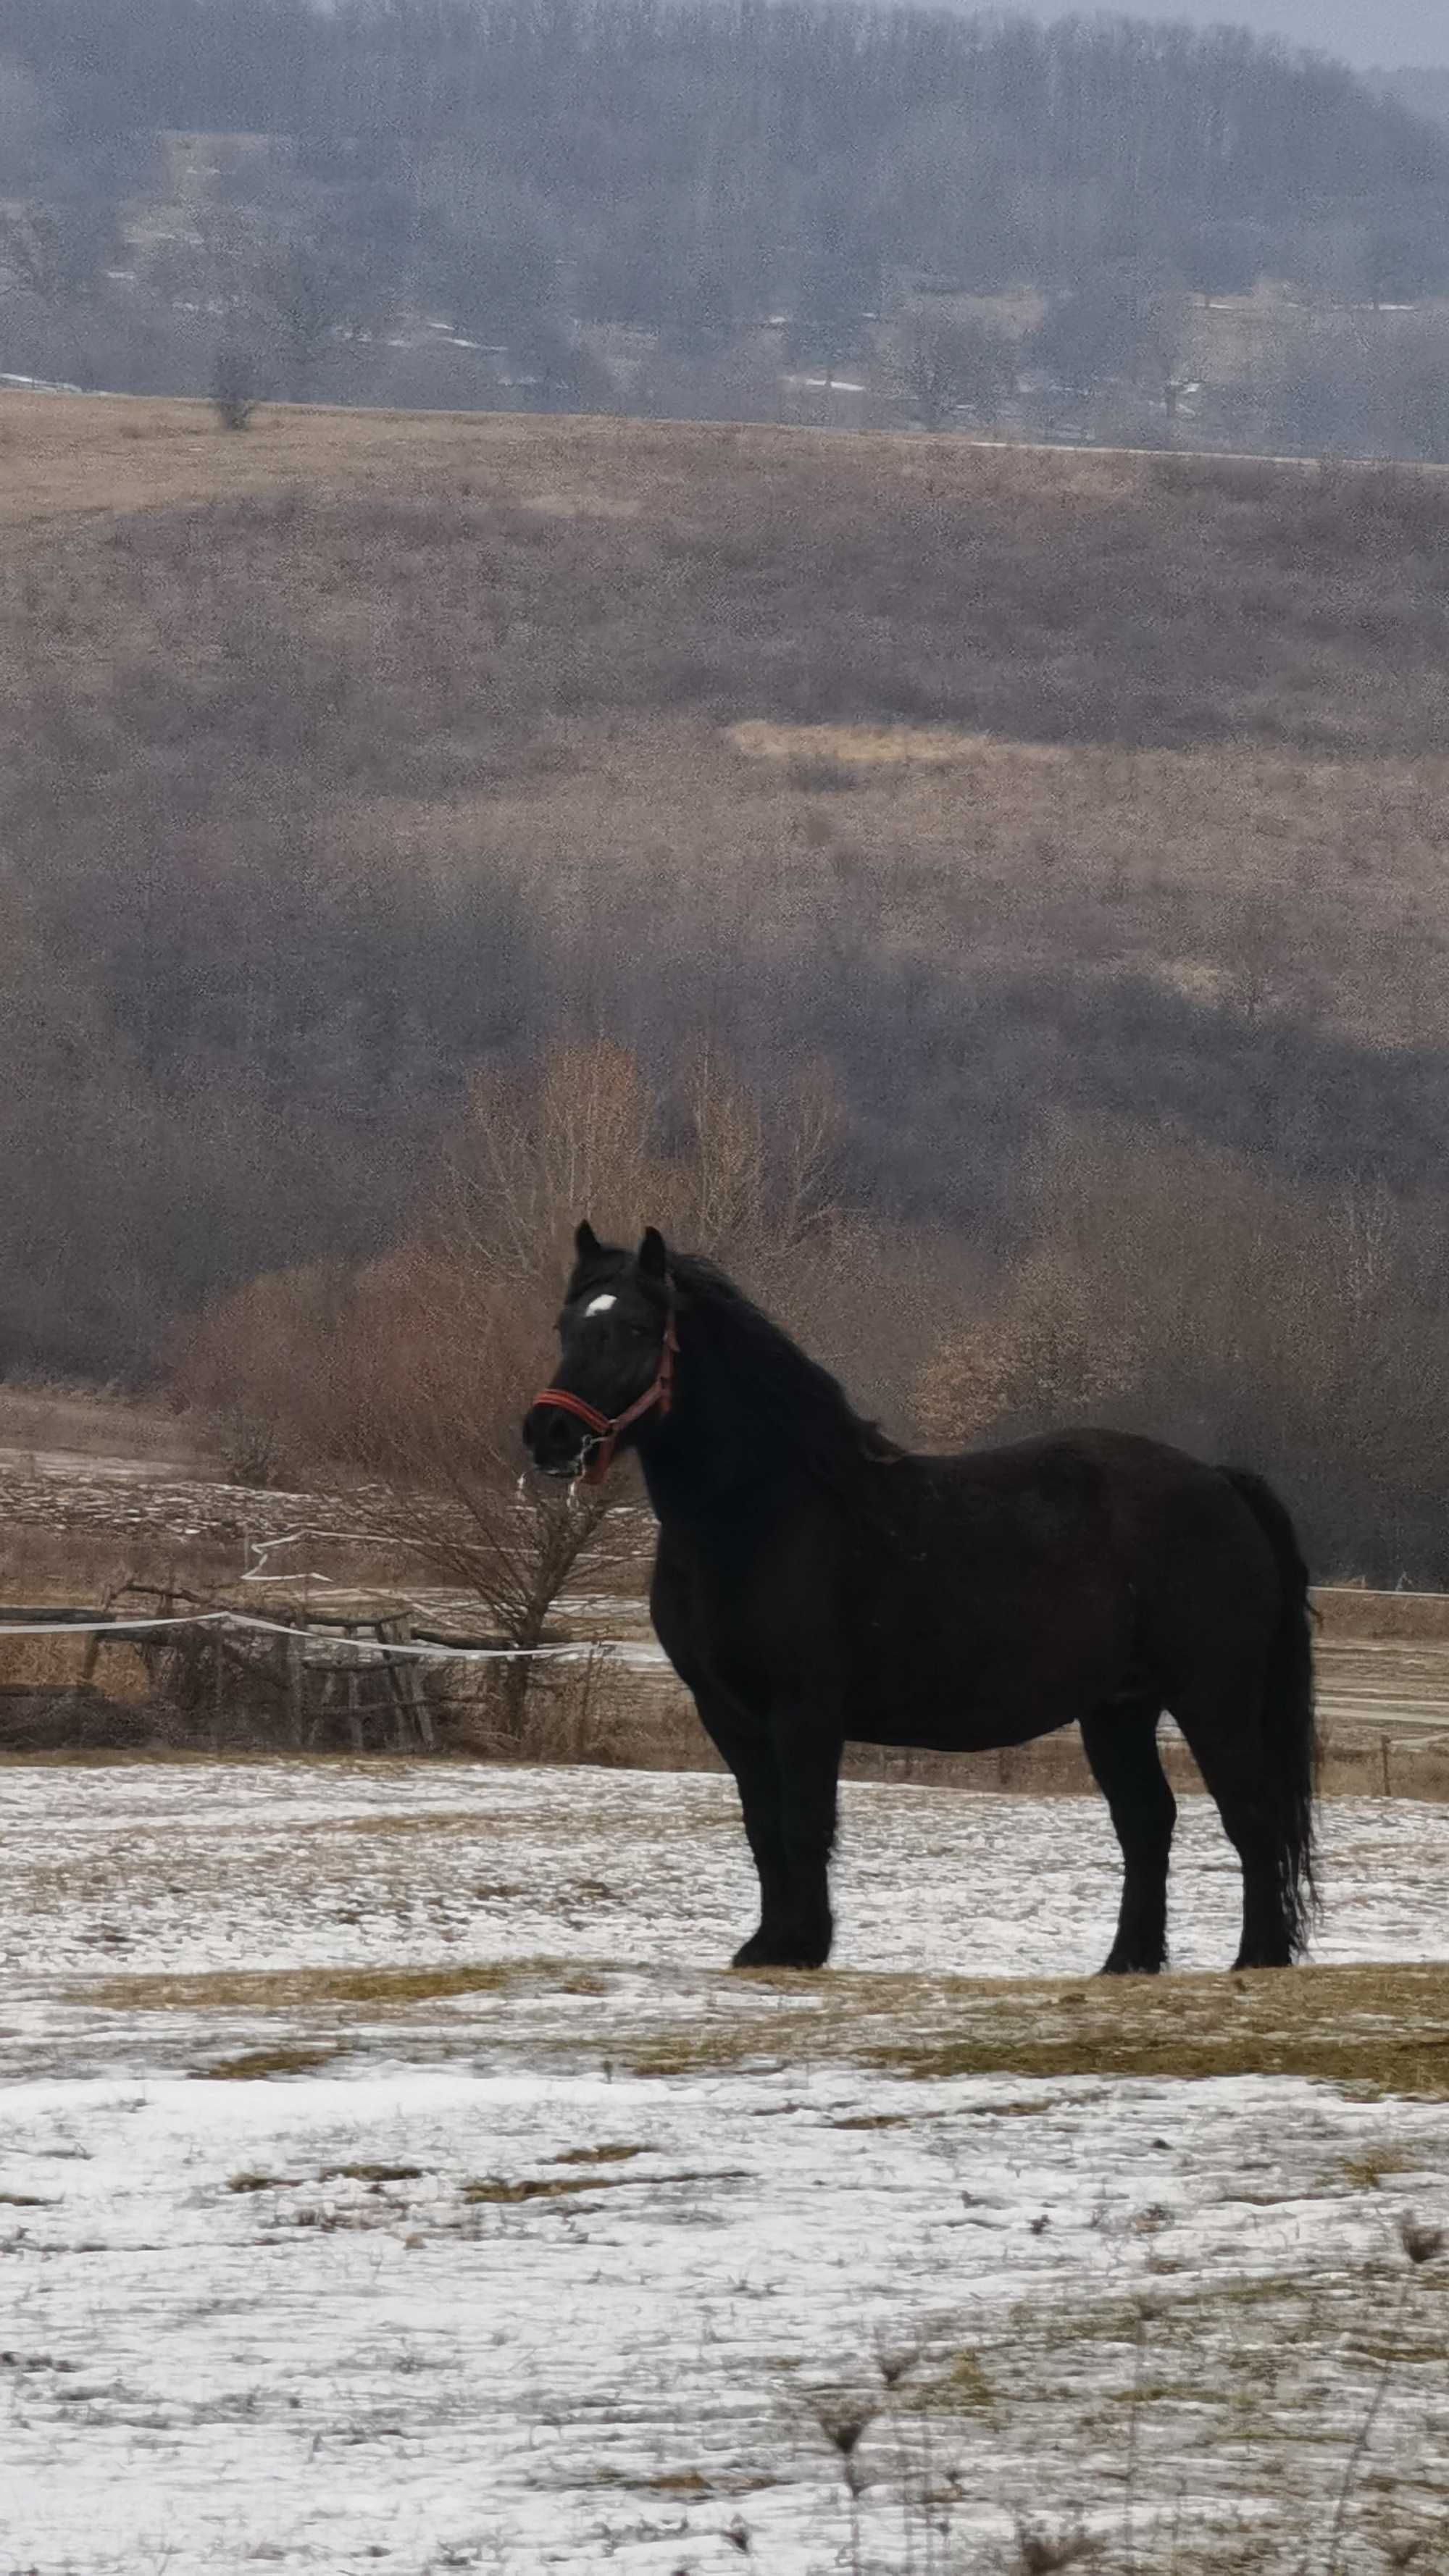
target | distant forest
x=534, y=172
x=651, y=142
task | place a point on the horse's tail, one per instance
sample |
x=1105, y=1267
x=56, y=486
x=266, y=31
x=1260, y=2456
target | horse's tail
x=1289, y=1734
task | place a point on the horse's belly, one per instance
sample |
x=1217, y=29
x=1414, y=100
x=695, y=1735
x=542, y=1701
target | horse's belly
x=970, y=1729
x=948, y=1689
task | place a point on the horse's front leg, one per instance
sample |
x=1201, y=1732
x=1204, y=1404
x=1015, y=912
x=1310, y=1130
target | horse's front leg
x=796, y=1926
x=786, y=1776
x=743, y=1740
x=775, y=1943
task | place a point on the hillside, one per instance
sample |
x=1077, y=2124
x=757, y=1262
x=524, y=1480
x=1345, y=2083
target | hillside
x=297, y=722
x=1008, y=786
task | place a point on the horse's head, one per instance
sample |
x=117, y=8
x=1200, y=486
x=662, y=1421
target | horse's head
x=616, y=1336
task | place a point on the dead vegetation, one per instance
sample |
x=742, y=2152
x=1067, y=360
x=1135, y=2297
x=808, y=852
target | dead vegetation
x=1055, y=807
x=412, y=739
x=1379, y=2031
x=45, y=1418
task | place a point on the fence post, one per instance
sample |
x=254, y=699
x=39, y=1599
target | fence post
x=414, y=1695
x=414, y=1717
x=294, y=1649
x=354, y=1722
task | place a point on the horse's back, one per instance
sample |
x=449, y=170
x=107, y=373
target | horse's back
x=1098, y=1487
x=1180, y=1542
x=1028, y=1583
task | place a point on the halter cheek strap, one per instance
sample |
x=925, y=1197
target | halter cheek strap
x=606, y=1427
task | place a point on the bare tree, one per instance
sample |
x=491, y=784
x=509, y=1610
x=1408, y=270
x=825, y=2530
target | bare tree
x=402, y=1387
x=311, y=299
x=1123, y=323
x=944, y=365
x=57, y=251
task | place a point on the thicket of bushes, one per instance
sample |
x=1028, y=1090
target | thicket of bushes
x=1168, y=1289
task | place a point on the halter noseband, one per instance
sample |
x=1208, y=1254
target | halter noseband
x=607, y=1427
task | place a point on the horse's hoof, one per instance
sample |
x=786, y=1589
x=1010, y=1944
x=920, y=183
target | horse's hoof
x=760, y=1952
x=1115, y=1966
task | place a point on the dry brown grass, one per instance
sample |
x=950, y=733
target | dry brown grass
x=293, y=1989
x=1373, y=2029
x=40, y=1420
x=1251, y=878
x=1348, y=1611
x=1181, y=719
x=1376, y=2029
x=112, y=453
x=861, y=746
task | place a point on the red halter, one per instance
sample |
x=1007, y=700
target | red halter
x=607, y=1427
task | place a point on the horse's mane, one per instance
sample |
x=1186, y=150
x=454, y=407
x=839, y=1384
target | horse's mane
x=808, y=1407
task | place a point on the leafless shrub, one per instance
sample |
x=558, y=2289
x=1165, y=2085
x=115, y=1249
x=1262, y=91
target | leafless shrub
x=1043, y=2551
x=409, y=1378
x=941, y=365
x=234, y=389
x=250, y=1451
x=1421, y=2243
x=1177, y=1291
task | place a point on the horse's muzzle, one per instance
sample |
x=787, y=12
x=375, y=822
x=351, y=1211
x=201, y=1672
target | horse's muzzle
x=557, y=1442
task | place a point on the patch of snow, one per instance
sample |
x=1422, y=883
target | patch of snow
x=503, y=2288
x=212, y=1865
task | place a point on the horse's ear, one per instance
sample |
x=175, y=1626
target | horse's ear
x=586, y=1242
x=652, y=1258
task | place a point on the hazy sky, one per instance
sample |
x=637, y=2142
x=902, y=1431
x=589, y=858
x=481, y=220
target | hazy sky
x=1362, y=32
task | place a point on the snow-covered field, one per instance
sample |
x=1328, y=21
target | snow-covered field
x=389, y=2177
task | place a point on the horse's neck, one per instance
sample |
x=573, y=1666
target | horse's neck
x=712, y=1446
x=727, y=1441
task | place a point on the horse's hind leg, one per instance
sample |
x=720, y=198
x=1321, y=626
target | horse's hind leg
x=1121, y=1746
x=1225, y=1738
x=784, y=1938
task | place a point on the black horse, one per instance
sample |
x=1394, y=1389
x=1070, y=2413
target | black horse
x=817, y=1586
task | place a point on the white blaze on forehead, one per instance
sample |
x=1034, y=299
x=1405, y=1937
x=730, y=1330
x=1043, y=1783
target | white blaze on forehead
x=600, y=1305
